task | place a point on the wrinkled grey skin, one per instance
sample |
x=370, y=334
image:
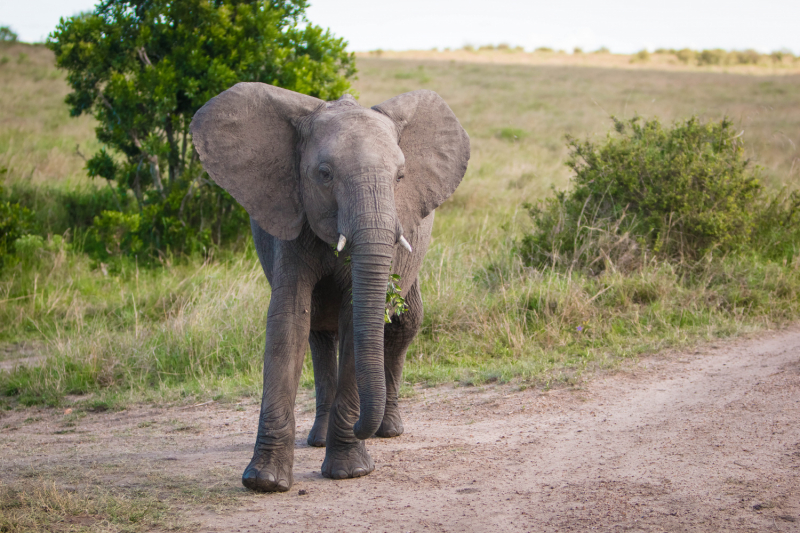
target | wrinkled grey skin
x=308, y=171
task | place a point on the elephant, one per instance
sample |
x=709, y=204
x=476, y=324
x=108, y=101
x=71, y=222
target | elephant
x=340, y=197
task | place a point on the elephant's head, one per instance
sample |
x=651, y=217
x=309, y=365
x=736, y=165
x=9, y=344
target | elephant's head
x=356, y=175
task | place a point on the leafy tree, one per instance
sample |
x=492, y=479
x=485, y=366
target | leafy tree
x=143, y=67
x=7, y=35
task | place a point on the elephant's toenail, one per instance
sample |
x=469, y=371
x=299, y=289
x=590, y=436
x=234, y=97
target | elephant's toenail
x=270, y=478
x=283, y=485
x=358, y=472
x=339, y=474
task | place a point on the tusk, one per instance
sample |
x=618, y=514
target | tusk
x=404, y=244
x=342, y=242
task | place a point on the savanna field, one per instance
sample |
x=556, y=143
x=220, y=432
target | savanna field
x=78, y=330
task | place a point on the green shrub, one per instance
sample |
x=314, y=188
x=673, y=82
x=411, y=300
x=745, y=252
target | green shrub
x=190, y=221
x=15, y=221
x=716, y=56
x=28, y=246
x=116, y=233
x=677, y=193
x=747, y=57
x=7, y=35
x=642, y=56
x=57, y=210
x=685, y=55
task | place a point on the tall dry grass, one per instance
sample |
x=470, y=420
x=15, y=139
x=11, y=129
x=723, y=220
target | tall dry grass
x=38, y=138
x=685, y=60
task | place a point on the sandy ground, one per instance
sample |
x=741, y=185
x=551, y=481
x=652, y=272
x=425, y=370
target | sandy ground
x=702, y=441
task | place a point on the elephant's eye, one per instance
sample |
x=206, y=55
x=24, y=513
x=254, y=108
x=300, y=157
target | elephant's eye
x=400, y=173
x=325, y=172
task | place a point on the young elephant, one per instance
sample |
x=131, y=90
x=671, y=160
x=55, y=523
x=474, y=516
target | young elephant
x=315, y=175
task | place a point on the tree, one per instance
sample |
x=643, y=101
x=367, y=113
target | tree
x=143, y=67
x=7, y=35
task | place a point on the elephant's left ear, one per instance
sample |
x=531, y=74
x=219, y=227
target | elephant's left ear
x=436, y=150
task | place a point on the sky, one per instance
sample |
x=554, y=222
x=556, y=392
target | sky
x=624, y=26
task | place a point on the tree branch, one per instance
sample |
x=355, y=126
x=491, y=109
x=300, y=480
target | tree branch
x=154, y=168
x=143, y=56
x=200, y=179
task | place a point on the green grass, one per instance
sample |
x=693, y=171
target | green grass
x=194, y=329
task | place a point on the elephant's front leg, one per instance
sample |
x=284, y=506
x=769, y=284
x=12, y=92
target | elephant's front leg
x=288, y=324
x=346, y=456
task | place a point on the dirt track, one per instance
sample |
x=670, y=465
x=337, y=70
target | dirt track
x=702, y=442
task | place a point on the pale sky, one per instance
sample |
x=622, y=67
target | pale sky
x=621, y=25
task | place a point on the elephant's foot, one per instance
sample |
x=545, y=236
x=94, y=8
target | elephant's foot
x=316, y=437
x=392, y=425
x=346, y=461
x=268, y=472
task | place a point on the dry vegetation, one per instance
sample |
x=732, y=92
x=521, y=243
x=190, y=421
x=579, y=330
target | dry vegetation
x=38, y=138
x=746, y=62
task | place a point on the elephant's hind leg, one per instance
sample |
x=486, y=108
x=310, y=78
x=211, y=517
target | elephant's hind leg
x=323, y=355
x=397, y=338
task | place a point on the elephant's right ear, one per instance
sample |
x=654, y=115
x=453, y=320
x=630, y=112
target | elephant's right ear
x=246, y=142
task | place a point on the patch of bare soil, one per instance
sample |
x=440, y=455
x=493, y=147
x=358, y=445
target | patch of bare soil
x=708, y=441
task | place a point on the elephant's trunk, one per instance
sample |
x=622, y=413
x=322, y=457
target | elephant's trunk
x=374, y=234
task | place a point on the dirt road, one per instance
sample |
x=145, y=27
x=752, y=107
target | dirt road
x=707, y=441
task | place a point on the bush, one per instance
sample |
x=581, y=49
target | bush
x=189, y=222
x=28, y=245
x=642, y=56
x=57, y=210
x=31, y=249
x=15, y=221
x=7, y=35
x=716, y=56
x=676, y=193
x=747, y=57
x=685, y=55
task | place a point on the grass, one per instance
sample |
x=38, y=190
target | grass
x=38, y=505
x=193, y=329
x=745, y=62
x=94, y=496
x=38, y=139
